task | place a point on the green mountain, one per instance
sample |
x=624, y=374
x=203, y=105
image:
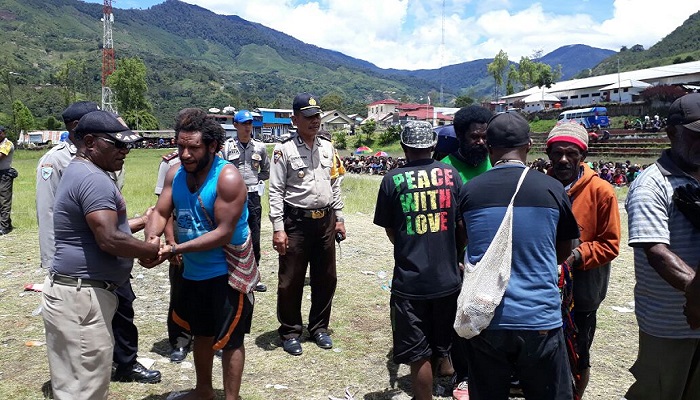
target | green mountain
x=681, y=45
x=195, y=57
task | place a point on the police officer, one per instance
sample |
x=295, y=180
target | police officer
x=7, y=176
x=306, y=214
x=250, y=156
x=49, y=172
x=48, y=175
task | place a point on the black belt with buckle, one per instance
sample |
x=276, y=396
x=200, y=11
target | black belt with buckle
x=302, y=212
x=66, y=280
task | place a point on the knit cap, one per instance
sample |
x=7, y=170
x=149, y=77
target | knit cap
x=570, y=132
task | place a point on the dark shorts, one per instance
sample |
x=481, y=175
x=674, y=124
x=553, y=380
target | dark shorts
x=213, y=308
x=422, y=328
x=585, y=324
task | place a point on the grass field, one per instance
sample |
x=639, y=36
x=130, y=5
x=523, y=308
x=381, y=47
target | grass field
x=360, y=361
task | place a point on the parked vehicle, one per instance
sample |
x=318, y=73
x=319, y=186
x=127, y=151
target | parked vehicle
x=590, y=118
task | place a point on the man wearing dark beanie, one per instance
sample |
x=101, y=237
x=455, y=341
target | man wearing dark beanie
x=595, y=207
x=525, y=335
x=49, y=173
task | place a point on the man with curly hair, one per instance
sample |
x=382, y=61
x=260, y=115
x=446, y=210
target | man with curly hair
x=208, y=198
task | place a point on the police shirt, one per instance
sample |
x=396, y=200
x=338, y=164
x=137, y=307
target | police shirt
x=168, y=161
x=251, y=160
x=48, y=174
x=301, y=177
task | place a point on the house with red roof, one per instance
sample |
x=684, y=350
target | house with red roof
x=392, y=112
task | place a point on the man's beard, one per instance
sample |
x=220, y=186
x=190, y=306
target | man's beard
x=473, y=155
x=202, y=163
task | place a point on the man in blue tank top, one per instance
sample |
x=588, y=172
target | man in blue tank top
x=208, y=198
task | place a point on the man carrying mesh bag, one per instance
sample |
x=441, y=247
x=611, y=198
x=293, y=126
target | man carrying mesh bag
x=525, y=334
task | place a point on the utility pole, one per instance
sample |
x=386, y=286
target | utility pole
x=108, y=63
x=619, y=89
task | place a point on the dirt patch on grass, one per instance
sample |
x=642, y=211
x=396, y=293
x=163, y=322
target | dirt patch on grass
x=360, y=360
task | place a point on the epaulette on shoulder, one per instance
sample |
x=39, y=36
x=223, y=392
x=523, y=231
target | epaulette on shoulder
x=324, y=137
x=288, y=139
x=170, y=156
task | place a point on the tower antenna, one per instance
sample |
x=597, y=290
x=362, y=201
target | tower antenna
x=108, y=63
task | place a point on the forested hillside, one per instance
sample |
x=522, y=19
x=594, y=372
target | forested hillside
x=51, y=55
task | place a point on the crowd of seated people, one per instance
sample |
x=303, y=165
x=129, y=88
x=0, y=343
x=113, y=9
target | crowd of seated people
x=617, y=173
x=372, y=165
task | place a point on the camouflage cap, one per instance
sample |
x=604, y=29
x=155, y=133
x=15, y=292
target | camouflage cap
x=418, y=135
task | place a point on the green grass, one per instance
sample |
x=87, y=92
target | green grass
x=360, y=322
x=542, y=125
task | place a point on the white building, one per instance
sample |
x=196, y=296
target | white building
x=620, y=88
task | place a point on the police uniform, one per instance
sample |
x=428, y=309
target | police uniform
x=48, y=175
x=305, y=202
x=254, y=166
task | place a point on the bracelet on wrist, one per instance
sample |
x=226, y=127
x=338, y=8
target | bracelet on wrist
x=173, y=249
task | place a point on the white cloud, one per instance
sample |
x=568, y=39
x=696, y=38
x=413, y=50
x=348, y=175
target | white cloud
x=407, y=34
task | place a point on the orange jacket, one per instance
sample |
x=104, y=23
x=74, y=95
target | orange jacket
x=595, y=207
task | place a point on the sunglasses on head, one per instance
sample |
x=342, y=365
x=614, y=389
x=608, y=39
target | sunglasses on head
x=116, y=143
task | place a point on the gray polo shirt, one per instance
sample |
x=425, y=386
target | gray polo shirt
x=653, y=218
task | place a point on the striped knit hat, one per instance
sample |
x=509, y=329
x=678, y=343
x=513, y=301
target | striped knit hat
x=570, y=132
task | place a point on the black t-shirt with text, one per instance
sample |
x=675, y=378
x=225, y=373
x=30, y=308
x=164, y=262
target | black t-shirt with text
x=420, y=202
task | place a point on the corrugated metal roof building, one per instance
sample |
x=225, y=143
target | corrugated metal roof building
x=623, y=87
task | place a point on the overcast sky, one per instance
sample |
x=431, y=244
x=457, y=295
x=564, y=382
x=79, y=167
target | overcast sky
x=408, y=34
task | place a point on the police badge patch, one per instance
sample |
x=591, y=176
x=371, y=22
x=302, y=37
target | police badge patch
x=277, y=155
x=46, y=173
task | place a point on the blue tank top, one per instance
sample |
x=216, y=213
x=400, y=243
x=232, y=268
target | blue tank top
x=191, y=222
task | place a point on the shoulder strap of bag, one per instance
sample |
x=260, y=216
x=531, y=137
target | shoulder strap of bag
x=206, y=214
x=520, y=182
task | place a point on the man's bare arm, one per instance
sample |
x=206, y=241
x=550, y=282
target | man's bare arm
x=104, y=225
x=669, y=266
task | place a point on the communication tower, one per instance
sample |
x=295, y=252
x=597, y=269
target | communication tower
x=108, y=63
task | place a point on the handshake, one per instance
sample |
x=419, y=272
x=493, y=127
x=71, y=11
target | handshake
x=165, y=252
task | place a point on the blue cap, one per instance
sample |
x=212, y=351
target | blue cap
x=243, y=116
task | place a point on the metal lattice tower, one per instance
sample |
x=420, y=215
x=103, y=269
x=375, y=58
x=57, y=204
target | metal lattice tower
x=108, y=63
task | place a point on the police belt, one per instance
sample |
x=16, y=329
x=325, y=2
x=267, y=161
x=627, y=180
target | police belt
x=65, y=280
x=317, y=213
